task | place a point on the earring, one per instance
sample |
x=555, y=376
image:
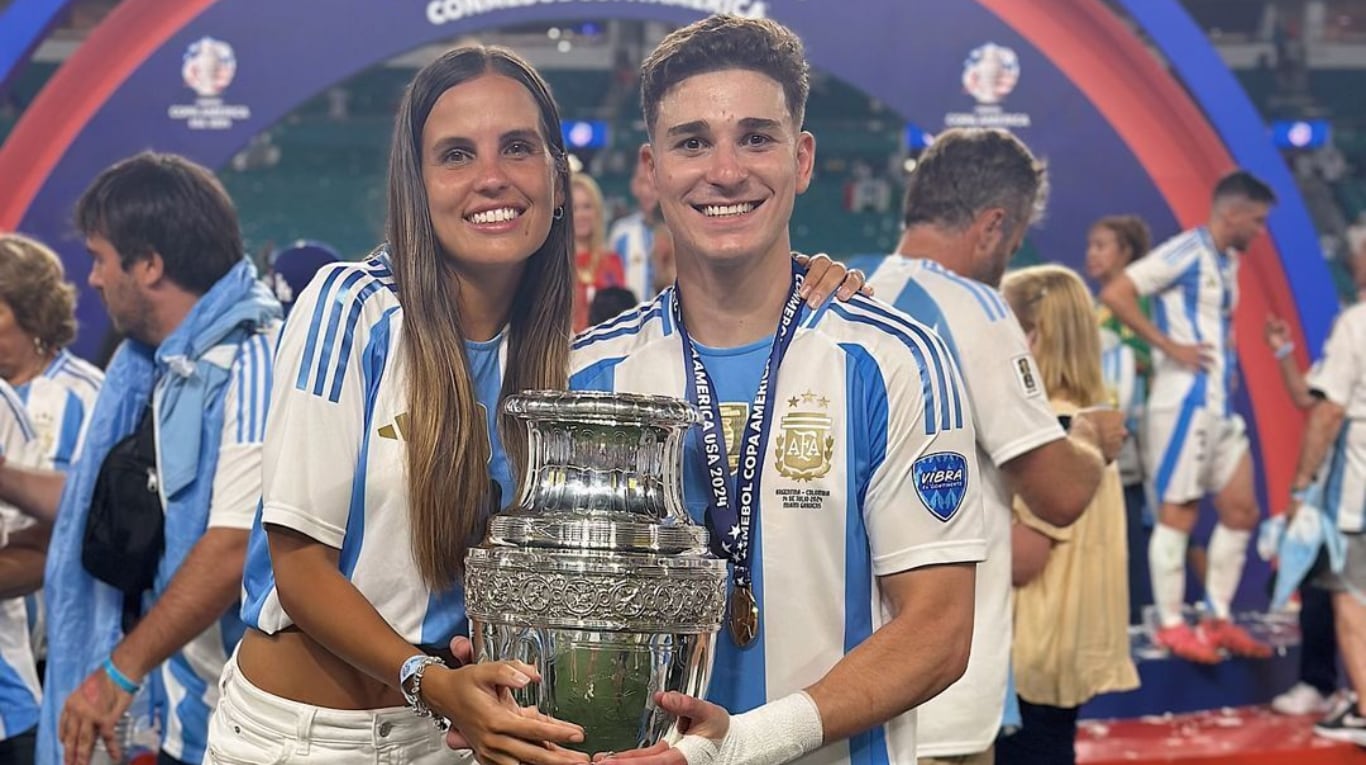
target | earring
x=39, y=346
x=559, y=212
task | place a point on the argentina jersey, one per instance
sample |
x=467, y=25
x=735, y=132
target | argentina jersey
x=58, y=401
x=1010, y=409
x=869, y=471
x=1195, y=291
x=632, y=239
x=20, y=696
x=335, y=455
x=1340, y=377
x=185, y=686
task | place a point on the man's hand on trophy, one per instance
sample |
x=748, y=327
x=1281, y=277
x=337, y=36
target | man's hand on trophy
x=477, y=699
x=703, y=724
x=824, y=276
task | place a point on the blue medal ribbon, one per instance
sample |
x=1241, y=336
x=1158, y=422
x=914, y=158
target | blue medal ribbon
x=730, y=517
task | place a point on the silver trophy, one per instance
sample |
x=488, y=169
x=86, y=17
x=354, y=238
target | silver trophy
x=597, y=576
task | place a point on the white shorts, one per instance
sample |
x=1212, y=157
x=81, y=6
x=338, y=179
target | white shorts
x=1189, y=453
x=252, y=727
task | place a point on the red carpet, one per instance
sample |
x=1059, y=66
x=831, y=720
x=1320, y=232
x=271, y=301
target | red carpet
x=1245, y=736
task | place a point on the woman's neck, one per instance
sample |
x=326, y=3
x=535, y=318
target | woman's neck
x=35, y=366
x=485, y=300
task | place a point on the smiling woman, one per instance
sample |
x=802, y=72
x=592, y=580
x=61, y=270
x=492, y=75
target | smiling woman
x=388, y=431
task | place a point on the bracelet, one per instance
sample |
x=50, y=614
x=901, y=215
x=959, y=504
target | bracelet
x=1284, y=349
x=411, y=675
x=118, y=678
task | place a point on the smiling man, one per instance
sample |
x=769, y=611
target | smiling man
x=835, y=466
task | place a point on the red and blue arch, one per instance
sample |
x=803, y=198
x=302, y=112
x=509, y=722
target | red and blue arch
x=1122, y=134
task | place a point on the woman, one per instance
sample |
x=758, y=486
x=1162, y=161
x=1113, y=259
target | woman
x=1071, y=635
x=595, y=265
x=383, y=452
x=58, y=390
x=1126, y=362
x=37, y=322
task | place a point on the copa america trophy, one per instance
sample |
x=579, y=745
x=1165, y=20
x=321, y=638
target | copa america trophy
x=597, y=576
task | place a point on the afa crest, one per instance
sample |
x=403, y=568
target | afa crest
x=804, y=444
x=941, y=480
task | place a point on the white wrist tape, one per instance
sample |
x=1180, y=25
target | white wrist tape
x=775, y=733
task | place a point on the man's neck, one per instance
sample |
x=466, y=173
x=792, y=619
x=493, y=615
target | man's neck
x=168, y=313
x=731, y=305
x=1217, y=237
x=485, y=299
x=933, y=243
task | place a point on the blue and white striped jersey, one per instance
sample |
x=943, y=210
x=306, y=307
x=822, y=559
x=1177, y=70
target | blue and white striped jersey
x=335, y=457
x=1129, y=394
x=188, y=681
x=633, y=240
x=1195, y=289
x=869, y=411
x=1010, y=408
x=58, y=402
x=1340, y=376
x=20, y=694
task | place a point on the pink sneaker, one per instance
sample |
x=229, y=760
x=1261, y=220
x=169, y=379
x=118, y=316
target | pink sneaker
x=1186, y=643
x=1222, y=633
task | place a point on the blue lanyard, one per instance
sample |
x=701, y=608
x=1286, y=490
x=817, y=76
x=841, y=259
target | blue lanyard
x=731, y=518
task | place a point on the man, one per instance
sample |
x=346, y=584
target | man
x=853, y=526
x=1194, y=444
x=968, y=205
x=632, y=236
x=168, y=263
x=1331, y=474
x=22, y=545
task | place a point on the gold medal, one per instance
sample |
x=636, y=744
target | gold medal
x=744, y=616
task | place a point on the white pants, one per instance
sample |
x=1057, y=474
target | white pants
x=252, y=727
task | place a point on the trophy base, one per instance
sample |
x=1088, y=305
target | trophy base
x=603, y=681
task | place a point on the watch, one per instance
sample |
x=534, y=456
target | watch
x=410, y=683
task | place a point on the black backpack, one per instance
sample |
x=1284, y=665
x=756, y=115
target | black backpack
x=125, y=529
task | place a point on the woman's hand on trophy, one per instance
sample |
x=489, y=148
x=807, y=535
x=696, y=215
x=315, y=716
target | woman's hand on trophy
x=703, y=724
x=477, y=699
x=825, y=275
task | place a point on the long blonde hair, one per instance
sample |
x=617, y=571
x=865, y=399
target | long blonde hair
x=598, y=243
x=449, y=488
x=1052, y=302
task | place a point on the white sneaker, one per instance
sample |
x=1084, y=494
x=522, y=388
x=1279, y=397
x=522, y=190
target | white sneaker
x=1301, y=699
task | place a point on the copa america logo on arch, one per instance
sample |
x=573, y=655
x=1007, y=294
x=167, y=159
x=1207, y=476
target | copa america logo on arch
x=990, y=72
x=209, y=66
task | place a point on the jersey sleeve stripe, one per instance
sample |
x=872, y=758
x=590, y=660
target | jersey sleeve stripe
x=933, y=344
x=933, y=403
x=339, y=372
x=346, y=296
x=629, y=328
x=315, y=324
x=20, y=414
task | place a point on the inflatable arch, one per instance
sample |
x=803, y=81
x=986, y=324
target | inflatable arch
x=1120, y=132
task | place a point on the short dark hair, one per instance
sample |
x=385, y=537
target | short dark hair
x=1130, y=231
x=968, y=170
x=608, y=302
x=166, y=204
x=1244, y=185
x=722, y=42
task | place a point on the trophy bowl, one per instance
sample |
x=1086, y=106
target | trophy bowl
x=597, y=576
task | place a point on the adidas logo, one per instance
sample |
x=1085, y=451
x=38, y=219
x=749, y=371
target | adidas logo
x=396, y=430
